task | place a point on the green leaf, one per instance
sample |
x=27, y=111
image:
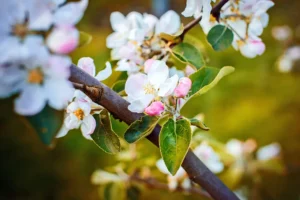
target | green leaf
x=140, y=128
x=47, y=123
x=84, y=38
x=104, y=136
x=220, y=37
x=188, y=54
x=174, y=38
x=206, y=78
x=119, y=86
x=174, y=142
x=199, y=124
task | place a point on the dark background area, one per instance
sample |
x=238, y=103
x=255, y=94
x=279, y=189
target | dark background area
x=256, y=101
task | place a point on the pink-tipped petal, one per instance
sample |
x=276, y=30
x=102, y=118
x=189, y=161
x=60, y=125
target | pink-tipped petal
x=148, y=65
x=87, y=65
x=155, y=108
x=63, y=40
x=183, y=87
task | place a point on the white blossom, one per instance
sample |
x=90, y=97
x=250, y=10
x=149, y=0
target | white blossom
x=209, y=157
x=79, y=111
x=44, y=79
x=268, y=152
x=174, y=181
x=142, y=89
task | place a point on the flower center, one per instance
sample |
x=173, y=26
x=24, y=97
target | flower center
x=79, y=114
x=149, y=89
x=20, y=30
x=35, y=76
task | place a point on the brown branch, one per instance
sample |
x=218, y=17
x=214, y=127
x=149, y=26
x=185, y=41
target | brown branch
x=215, y=12
x=153, y=183
x=118, y=106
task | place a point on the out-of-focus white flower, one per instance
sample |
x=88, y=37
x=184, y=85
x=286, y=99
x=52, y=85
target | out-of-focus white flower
x=63, y=40
x=20, y=19
x=173, y=181
x=281, y=33
x=250, y=48
x=168, y=23
x=45, y=79
x=142, y=89
x=235, y=147
x=288, y=59
x=101, y=177
x=268, y=152
x=209, y=157
x=238, y=148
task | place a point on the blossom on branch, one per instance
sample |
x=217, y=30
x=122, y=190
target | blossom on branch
x=80, y=110
x=136, y=38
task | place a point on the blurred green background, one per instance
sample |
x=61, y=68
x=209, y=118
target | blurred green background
x=256, y=101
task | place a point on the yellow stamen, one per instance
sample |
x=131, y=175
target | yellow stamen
x=35, y=76
x=149, y=89
x=79, y=114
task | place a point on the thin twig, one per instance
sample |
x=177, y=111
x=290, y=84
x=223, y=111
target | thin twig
x=153, y=183
x=215, y=12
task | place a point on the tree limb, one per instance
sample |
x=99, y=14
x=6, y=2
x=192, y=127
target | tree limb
x=117, y=106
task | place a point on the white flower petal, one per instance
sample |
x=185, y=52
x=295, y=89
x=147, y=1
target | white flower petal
x=168, y=87
x=58, y=92
x=72, y=122
x=62, y=132
x=116, y=40
x=268, y=152
x=168, y=23
x=190, y=8
x=118, y=22
x=58, y=67
x=72, y=107
x=63, y=40
x=158, y=73
x=134, y=86
x=105, y=73
x=140, y=104
x=31, y=100
x=88, y=126
x=70, y=14
x=87, y=65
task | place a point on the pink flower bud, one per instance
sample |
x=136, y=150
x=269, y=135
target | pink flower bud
x=148, y=65
x=63, y=39
x=183, y=87
x=155, y=108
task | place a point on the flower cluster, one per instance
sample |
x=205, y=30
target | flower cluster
x=246, y=19
x=136, y=38
x=80, y=110
x=154, y=91
x=38, y=34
